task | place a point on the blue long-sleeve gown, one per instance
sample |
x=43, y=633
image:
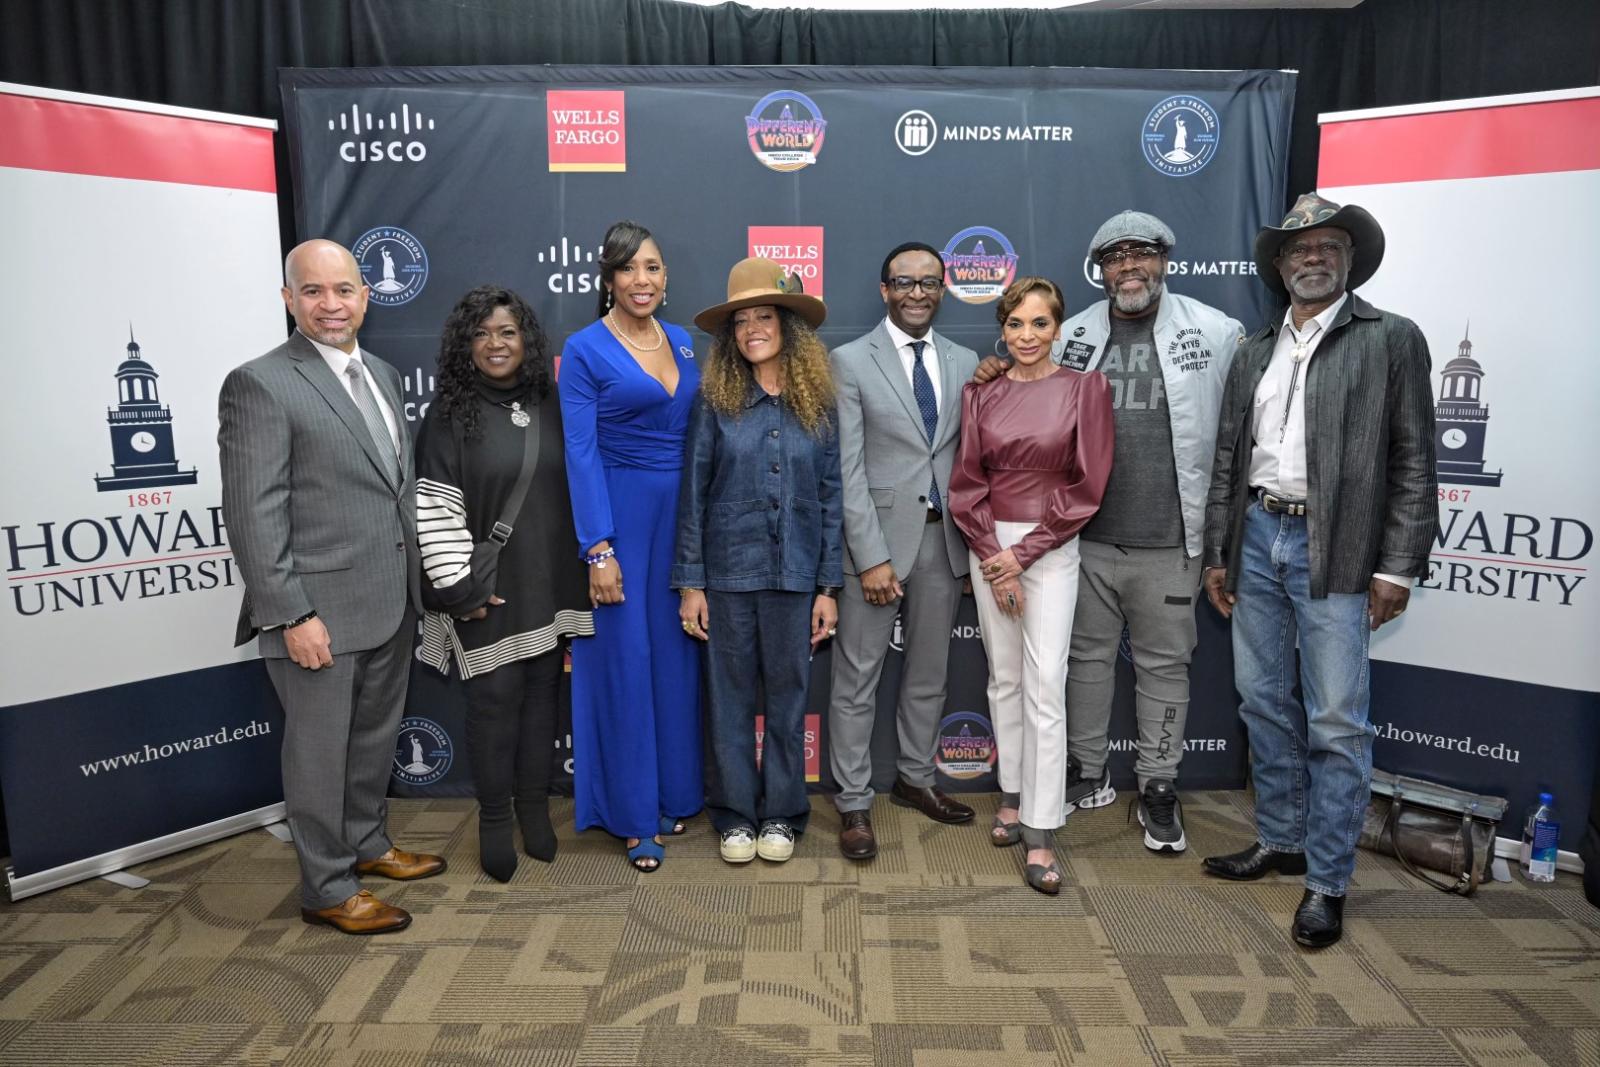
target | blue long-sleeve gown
x=636, y=683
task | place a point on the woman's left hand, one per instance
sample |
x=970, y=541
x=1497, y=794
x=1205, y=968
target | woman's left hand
x=824, y=619
x=1001, y=567
x=1008, y=595
x=694, y=613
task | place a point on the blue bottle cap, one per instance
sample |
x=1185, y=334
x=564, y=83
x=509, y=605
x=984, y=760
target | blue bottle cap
x=1546, y=798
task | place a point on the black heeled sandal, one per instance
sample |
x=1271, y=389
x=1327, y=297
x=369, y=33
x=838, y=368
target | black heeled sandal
x=1006, y=834
x=1045, y=878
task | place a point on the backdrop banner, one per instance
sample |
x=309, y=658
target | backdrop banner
x=440, y=179
x=1491, y=678
x=144, y=243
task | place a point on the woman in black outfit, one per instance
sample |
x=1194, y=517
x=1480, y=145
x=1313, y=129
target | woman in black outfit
x=500, y=619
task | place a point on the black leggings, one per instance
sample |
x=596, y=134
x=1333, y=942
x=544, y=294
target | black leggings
x=511, y=730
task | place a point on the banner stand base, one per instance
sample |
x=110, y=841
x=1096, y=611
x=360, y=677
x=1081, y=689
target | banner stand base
x=1510, y=849
x=280, y=830
x=125, y=880
x=114, y=862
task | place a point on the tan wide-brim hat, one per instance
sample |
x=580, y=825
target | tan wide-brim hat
x=756, y=281
x=1311, y=212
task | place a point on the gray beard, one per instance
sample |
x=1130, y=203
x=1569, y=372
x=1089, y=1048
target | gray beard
x=1130, y=304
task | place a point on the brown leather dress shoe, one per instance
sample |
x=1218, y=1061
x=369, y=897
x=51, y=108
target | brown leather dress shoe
x=928, y=800
x=361, y=914
x=856, y=839
x=403, y=866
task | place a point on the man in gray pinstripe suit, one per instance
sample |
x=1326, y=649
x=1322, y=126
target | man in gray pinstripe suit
x=317, y=492
x=1322, y=511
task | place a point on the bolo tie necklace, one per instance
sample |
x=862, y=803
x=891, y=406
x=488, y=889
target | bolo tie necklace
x=1301, y=347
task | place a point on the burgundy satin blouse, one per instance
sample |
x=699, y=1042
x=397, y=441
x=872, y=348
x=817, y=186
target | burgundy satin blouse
x=1035, y=452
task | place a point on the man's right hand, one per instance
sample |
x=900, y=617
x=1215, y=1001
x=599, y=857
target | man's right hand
x=990, y=369
x=880, y=586
x=308, y=645
x=1216, y=583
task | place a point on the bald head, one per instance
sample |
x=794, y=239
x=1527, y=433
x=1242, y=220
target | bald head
x=322, y=289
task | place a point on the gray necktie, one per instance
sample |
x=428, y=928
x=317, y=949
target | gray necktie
x=374, y=419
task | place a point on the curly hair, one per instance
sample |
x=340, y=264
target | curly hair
x=455, y=379
x=726, y=377
x=1018, y=291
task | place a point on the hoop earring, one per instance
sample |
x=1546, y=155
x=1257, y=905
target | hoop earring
x=1000, y=350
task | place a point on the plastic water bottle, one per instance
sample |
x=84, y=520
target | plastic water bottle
x=1541, y=832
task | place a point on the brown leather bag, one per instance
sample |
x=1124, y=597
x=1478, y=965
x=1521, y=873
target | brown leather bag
x=1424, y=824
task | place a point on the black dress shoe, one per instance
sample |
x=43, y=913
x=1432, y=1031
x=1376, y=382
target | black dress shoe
x=928, y=800
x=1254, y=862
x=1319, y=920
x=856, y=839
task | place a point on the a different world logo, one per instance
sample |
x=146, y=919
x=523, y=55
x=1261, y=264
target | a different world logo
x=142, y=455
x=1461, y=421
x=1180, y=135
x=966, y=748
x=382, y=136
x=422, y=753
x=978, y=265
x=785, y=130
x=915, y=133
x=393, y=264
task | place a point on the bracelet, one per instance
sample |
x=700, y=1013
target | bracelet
x=600, y=557
x=307, y=617
x=828, y=591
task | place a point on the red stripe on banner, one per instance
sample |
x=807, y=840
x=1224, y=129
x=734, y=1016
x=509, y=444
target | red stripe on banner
x=70, y=138
x=1539, y=138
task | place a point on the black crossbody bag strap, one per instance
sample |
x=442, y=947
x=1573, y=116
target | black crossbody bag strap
x=501, y=533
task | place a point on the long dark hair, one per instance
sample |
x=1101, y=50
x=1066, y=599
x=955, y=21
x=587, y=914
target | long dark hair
x=455, y=380
x=622, y=242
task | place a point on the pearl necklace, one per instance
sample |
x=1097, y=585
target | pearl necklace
x=661, y=335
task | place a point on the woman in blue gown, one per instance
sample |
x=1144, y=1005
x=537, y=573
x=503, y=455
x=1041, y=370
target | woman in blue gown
x=627, y=384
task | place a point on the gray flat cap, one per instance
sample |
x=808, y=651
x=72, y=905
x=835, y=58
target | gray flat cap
x=1131, y=226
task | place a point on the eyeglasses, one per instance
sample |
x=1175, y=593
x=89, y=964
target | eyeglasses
x=1118, y=256
x=901, y=284
x=1298, y=251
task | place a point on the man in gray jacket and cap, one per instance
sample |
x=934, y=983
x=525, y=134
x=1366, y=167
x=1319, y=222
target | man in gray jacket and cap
x=1167, y=358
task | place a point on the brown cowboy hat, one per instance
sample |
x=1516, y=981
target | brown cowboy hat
x=756, y=281
x=1309, y=213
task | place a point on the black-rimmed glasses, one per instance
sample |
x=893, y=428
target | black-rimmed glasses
x=1118, y=256
x=930, y=285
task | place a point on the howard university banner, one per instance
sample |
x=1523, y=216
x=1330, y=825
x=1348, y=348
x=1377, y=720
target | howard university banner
x=1490, y=680
x=440, y=179
x=144, y=248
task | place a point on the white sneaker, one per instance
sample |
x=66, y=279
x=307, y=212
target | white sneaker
x=776, y=842
x=738, y=845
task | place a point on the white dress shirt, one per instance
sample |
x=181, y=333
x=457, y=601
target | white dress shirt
x=908, y=360
x=337, y=359
x=1278, y=415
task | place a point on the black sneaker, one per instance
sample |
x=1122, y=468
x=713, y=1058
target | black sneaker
x=1084, y=792
x=1161, y=815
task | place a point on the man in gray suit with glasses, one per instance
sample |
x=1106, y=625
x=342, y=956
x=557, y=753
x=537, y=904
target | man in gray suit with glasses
x=899, y=404
x=318, y=494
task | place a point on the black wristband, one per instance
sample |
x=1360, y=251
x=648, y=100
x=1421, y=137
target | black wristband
x=307, y=617
x=828, y=590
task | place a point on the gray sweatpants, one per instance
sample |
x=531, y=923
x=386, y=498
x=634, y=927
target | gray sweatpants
x=1152, y=591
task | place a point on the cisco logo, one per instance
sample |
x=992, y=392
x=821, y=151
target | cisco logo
x=572, y=268
x=382, y=138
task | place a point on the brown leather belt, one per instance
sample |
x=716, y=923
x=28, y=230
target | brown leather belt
x=1277, y=505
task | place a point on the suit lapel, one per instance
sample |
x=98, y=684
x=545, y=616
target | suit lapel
x=887, y=357
x=949, y=391
x=311, y=365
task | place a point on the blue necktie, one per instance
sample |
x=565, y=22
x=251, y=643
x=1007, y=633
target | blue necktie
x=922, y=387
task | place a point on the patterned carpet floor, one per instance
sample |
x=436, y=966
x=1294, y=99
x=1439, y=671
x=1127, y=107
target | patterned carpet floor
x=934, y=955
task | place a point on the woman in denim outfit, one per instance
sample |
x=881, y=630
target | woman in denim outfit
x=760, y=547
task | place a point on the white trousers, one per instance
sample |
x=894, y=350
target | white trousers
x=1028, y=676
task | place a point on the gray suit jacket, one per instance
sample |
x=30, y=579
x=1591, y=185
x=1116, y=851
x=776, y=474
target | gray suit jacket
x=885, y=459
x=313, y=519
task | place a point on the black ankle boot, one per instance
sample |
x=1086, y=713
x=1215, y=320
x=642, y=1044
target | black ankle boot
x=497, y=851
x=538, y=836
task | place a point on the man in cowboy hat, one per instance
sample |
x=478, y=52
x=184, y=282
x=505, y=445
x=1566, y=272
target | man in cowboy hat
x=1323, y=508
x=899, y=404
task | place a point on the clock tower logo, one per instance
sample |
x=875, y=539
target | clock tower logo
x=141, y=431
x=1461, y=419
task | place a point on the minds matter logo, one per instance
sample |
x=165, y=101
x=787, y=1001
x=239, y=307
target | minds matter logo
x=423, y=752
x=978, y=265
x=394, y=137
x=785, y=130
x=393, y=264
x=1180, y=135
x=915, y=133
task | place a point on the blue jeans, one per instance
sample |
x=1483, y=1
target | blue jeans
x=761, y=638
x=1311, y=759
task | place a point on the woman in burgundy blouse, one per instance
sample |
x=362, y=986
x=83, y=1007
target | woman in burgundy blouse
x=1034, y=458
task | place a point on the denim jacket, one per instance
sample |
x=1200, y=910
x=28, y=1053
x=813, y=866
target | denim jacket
x=759, y=506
